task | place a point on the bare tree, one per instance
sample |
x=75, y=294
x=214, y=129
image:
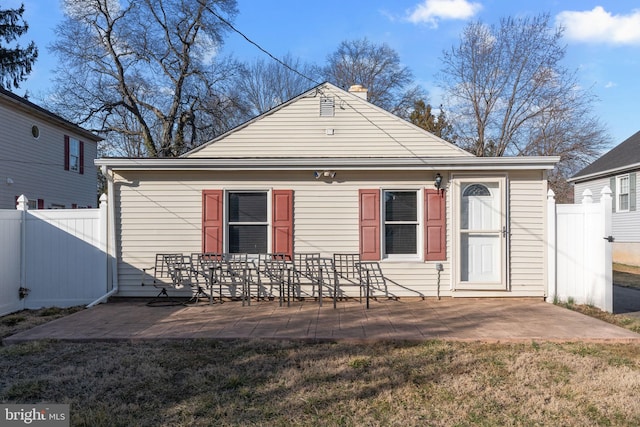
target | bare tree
x=267, y=83
x=511, y=95
x=378, y=68
x=145, y=71
x=501, y=81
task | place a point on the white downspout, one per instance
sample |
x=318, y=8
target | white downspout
x=111, y=241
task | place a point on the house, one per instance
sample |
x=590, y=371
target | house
x=329, y=172
x=44, y=157
x=617, y=169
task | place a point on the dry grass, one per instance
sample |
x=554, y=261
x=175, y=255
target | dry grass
x=27, y=319
x=273, y=383
x=282, y=383
x=626, y=275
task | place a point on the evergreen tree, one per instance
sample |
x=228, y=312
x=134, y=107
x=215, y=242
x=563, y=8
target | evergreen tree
x=423, y=117
x=15, y=62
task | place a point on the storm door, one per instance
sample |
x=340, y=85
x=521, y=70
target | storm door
x=481, y=234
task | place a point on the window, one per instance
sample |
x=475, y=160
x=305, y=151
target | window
x=247, y=222
x=74, y=155
x=401, y=222
x=623, y=194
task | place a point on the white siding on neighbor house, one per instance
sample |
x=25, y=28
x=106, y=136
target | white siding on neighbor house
x=162, y=212
x=36, y=166
x=358, y=129
x=625, y=225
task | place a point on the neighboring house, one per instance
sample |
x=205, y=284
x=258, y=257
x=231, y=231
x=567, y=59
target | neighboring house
x=329, y=172
x=44, y=157
x=618, y=169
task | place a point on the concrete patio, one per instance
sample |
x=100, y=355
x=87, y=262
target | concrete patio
x=449, y=319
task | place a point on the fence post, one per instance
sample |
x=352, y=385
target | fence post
x=552, y=258
x=606, y=202
x=104, y=219
x=23, y=207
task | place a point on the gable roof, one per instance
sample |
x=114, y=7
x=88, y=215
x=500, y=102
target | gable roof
x=624, y=156
x=352, y=128
x=29, y=107
x=358, y=136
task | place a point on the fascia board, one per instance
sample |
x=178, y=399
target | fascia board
x=604, y=173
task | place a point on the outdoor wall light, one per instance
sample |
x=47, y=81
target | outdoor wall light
x=324, y=174
x=438, y=180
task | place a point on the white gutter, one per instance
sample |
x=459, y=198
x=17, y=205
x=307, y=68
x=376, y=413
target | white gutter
x=112, y=261
x=363, y=163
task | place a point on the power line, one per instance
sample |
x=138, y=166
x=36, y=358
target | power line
x=227, y=23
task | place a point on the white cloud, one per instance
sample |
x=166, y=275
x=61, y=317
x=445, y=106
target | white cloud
x=600, y=26
x=609, y=85
x=432, y=11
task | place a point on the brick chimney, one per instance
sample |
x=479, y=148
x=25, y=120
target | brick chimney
x=359, y=90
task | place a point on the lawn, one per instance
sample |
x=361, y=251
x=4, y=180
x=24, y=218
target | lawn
x=273, y=383
x=282, y=383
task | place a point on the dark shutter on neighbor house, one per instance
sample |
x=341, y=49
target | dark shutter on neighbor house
x=282, y=222
x=212, y=221
x=632, y=191
x=81, y=159
x=369, y=224
x=40, y=203
x=435, y=224
x=612, y=185
x=66, y=152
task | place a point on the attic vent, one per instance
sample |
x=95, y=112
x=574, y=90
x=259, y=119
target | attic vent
x=326, y=107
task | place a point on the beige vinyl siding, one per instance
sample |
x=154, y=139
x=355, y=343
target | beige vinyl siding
x=36, y=166
x=161, y=212
x=359, y=130
x=527, y=202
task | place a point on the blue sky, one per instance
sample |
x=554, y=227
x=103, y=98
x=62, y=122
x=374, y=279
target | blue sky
x=602, y=38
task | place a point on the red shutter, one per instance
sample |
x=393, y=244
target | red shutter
x=369, y=218
x=81, y=160
x=66, y=152
x=282, y=222
x=40, y=203
x=212, y=221
x=435, y=235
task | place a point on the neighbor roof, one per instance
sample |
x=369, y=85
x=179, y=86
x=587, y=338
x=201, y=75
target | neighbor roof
x=624, y=156
x=28, y=106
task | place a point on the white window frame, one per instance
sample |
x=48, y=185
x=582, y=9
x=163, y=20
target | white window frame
x=228, y=223
x=74, y=155
x=619, y=193
x=417, y=256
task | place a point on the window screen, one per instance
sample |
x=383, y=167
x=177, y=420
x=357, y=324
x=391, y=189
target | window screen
x=247, y=222
x=401, y=222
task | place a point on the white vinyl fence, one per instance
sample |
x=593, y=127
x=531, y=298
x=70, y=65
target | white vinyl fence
x=580, y=264
x=59, y=257
x=52, y=258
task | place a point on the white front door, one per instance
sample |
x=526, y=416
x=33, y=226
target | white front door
x=481, y=234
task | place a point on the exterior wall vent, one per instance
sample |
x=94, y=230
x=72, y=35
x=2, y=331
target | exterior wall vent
x=326, y=106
